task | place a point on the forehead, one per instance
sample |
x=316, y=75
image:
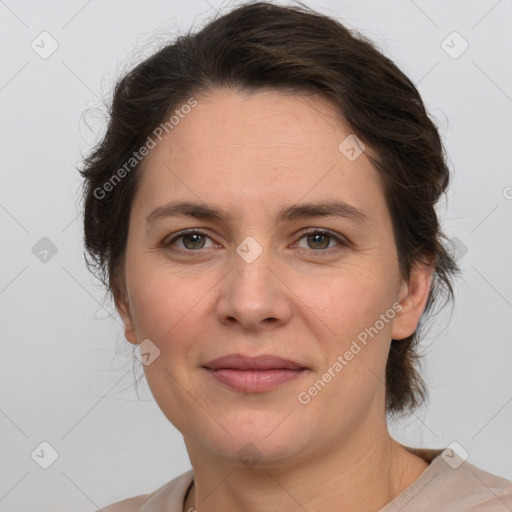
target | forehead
x=255, y=148
x=282, y=123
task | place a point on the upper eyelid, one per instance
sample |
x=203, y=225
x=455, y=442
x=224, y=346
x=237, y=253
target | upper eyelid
x=342, y=240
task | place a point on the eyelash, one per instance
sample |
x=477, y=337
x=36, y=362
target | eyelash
x=340, y=241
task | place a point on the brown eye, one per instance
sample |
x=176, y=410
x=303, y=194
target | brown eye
x=193, y=241
x=318, y=240
x=323, y=241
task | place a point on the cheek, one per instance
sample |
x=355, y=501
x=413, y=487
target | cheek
x=349, y=301
x=169, y=311
x=355, y=344
x=163, y=307
x=355, y=312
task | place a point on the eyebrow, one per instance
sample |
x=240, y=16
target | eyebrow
x=286, y=213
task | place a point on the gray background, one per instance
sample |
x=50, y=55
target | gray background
x=66, y=373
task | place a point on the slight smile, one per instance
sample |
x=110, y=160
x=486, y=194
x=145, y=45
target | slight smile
x=254, y=374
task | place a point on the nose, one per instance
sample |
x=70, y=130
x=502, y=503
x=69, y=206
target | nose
x=253, y=295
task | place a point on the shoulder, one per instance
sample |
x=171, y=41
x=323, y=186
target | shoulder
x=452, y=483
x=128, y=505
x=169, y=495
x=483, y=491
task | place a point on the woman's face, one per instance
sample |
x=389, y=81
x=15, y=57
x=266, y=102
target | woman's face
x=267, y=276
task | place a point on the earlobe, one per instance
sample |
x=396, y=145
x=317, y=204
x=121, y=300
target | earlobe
x=124, y=312
x=413, y=299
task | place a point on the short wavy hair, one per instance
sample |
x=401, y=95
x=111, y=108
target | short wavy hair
x=260, y=46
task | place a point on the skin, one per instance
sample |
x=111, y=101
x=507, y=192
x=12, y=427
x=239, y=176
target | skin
x=251, y=154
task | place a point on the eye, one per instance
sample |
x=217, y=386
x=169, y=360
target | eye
x=192, y=240
x=320, y=241
x=317, y=240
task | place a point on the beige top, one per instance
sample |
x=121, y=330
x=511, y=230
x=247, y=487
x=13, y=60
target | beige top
x=449, y=484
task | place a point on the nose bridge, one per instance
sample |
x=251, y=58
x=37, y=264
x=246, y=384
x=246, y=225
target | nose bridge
x=252, y=294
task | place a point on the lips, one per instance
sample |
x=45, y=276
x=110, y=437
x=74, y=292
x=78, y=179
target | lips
x=263, y=362
x=253, y=374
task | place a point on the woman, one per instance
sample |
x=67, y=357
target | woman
x=262, y=209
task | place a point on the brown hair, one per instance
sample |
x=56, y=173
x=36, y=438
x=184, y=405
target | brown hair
x=262, y=45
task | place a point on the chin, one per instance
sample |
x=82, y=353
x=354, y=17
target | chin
x=257, y=439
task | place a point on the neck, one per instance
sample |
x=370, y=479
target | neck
x=356, y=478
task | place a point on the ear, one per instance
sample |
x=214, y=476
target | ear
x=413, y=299
x=123, y=308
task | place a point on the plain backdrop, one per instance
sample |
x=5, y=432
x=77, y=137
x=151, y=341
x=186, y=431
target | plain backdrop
x=67, y=375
